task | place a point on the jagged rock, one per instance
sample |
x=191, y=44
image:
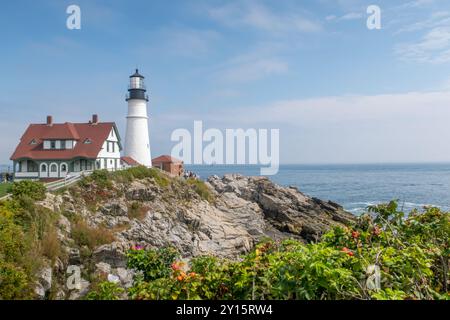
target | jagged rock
x=84, y=289
x=102, y=268
x=45, y=278
x=113, y=254
x=138, y=190
x=125, y=276
x=64, y=224
x=74, y=256
x=286, y=209
x=115, y=208
x=39, y=291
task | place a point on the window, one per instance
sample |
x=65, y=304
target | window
x=54, y=168
x=52, y=144
x=33, y=142
x=63, y=144
x=32, y=166
x=44, y=168
x=87, y=141
x=113, y=147
x=63, y=168
x=98, y=164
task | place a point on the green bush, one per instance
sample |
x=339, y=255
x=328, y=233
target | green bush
x=99, y=177
x=14, y=283
x=32, y=189
x=141, y=172
x=105, y=291
x=154, y=263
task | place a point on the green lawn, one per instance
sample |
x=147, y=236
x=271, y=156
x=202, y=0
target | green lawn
x=5, y=188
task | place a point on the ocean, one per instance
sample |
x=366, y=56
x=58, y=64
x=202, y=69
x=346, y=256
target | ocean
x=357, y=186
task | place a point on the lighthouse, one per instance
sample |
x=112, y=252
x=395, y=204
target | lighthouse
x=137, y=141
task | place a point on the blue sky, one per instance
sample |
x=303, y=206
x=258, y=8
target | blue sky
x=338, y=92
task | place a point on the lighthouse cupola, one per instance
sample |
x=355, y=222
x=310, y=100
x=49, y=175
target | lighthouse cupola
x=136, y=89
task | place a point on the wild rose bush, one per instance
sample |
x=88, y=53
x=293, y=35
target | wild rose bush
x=411, y=253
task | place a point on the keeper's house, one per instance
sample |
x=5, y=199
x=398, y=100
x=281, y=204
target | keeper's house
x=56, y=150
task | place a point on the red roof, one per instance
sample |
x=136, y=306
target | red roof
x=60, y=131
x=166, y=159
x=130, y=161
x=96, y=133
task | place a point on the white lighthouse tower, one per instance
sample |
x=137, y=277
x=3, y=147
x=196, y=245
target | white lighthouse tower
x=137, y=142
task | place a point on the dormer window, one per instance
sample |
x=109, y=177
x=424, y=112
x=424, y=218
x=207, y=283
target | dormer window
x=87, y=141
x=52, y=144
x=33, y=142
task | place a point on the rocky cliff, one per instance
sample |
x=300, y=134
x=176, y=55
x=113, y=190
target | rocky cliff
x=224, y=217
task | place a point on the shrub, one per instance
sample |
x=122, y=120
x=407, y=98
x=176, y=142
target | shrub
x=154, y=263
x=92, y=237
x=141, y=172
x=105, y=291
x=14, y=283
x=99, y=177
x=32, y=189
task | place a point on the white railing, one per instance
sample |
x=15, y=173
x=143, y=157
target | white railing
x=6, y=197
x=26, y=175
x=67, y=181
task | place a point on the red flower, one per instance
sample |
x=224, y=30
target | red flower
x=175, y=266
x=347, y=251
x=355, y=234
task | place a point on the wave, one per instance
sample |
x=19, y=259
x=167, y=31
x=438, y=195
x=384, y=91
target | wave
x=361, y=207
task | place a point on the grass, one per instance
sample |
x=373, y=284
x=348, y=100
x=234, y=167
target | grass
x=201, y=189
x=92, y=237
x=141, y=172
x=5, y=188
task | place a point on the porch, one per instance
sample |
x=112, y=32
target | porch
x=51, y=170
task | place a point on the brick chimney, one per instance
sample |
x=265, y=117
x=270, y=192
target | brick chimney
x=49, y=120
x=94, y=119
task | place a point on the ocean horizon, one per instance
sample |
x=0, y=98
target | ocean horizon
x=357, y=186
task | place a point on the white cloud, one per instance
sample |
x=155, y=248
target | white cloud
x=437, y=19
x=256, y=15
x=434, y=47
